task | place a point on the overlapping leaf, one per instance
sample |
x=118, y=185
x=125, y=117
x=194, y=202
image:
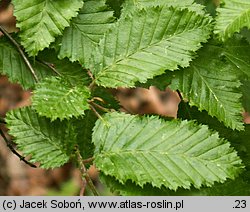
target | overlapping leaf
x=211, y=84
x=241, y=188
x=146, y=43
x=161, y=82
x=237, y=52
x=170, y=153
x=108, y=97
x=49, y=143
x=73, y=72
x=13, y=65
x=241, y=184
x=57, y=98
x=84, y=126
x=240, y=140
x=246, y=95
x=190, y=4
x=246, y=33
x=187, y=112
x=40, y=21
x=232, y=17
x=116, y=5
x=85, y=31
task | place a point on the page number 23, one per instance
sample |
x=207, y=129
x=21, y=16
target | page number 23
x=240, y=204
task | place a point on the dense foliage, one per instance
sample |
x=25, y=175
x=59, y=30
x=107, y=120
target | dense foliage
x=75, y=51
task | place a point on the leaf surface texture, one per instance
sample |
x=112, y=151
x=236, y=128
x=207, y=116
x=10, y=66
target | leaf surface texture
x=49, y=143
x=211, y=84
x=147, y=42
x=40, y=21
x=13, y=65
x=57, y=98
x=232, y=17
x=163, y=153
x=85, y=31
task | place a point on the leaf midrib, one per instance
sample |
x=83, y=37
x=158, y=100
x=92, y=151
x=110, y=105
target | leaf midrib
x=237, y=18
x=229, y=55
x=144, y=48
x=46, y=137
x=149, y=152
x=83, y=33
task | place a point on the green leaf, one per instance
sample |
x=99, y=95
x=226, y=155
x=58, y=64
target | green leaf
x=13, y=65
x=85, y=31
x=190, y=4
x=237, y=52
x=211, y=84
x=40, y=21
x=73, y=72
x=246, y=33
x=49, y=143
x=116, y=5
x=238, y=187
x=246, y=95
x=240, y=140
x=210, y=6
x=163, y=153
x=84, y=126
x=186, y=112
x=161, y=82
x=108, y=97
x=241, y=188
x=134, y=51
x=57, y=98
x=131, y=189
x=232, y=17
x=241, y=184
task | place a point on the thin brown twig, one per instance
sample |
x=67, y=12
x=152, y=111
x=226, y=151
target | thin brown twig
x=9, y=145
x=100, y=107
x=90, y=74
x=92, y=84
x=95, y=112
x=89, y=160
x=83, y=188
x=98, y=115
x=49, y=65
x=186, y=107
x=21, y=53
x=2, y=121
x=84, y=172
x=179, y=94
x=98, y=99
